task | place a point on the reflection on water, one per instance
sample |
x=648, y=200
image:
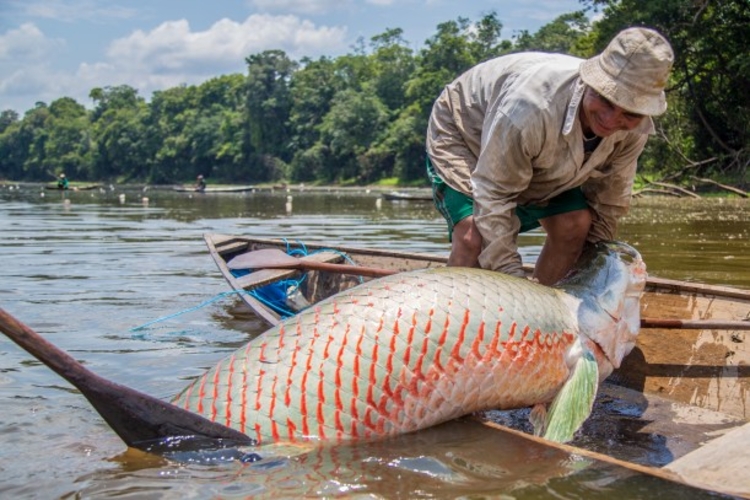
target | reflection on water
x=84, y=268
x=456, y=460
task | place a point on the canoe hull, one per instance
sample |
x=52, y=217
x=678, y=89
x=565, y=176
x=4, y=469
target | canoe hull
x=209, y=190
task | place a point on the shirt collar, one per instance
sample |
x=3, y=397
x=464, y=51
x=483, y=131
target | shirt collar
x=575, y=101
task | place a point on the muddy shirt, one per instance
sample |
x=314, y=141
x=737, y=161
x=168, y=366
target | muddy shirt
x=507, y=133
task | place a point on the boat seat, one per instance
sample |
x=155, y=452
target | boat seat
x=263, y=277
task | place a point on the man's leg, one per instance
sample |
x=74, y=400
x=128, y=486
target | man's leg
x=466, y=244
x=566, y=235
x=457, y=208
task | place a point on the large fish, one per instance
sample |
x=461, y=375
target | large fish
x=415, y=349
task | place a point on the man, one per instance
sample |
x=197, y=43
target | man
x=534, y=139
x=62, y=182
x=200, y=184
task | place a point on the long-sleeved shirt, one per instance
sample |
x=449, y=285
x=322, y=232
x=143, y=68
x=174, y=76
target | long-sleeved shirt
x=507, y=132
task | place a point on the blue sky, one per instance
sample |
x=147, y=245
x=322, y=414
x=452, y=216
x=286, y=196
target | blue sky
x=55, y=48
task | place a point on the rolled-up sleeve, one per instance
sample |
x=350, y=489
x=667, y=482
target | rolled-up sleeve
x=504, y=170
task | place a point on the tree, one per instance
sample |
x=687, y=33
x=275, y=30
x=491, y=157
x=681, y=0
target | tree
x=392, y=66
x=119, y=134
x=7, y=118
x=708, y=134
x=567, y=34
x=354, y=123
x=268, y=105
x=31, y=139
x=68, y=146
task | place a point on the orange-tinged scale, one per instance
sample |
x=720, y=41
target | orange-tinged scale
x=303, y=407
x=272, y=407
x=259, y=390
x=321, y=408
x=456, y=353
x=292, y=428
x=202, y=392
x=228, y=392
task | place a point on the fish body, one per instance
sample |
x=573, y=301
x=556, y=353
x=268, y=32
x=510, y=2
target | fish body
x=415, y=349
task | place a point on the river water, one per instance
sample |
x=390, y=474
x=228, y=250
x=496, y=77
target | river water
x=84, y=269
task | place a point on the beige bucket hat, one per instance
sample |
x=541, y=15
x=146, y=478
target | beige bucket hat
x=632, y=71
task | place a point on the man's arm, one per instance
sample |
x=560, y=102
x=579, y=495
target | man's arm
x=503, y=171
x=610, y=194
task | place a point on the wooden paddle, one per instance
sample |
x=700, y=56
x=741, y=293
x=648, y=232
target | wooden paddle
x=274, y=258
x=140, y=420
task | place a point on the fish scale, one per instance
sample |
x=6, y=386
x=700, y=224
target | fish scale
x=394, y=355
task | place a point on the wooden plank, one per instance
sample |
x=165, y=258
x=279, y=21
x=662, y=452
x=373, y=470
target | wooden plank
x=581, y=452
x=721, y=465
x=684, y=427
x=264, y=277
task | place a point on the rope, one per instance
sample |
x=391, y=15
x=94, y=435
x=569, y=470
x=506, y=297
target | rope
x=191, y=309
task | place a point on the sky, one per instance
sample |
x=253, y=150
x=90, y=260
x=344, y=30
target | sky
x=64, y=48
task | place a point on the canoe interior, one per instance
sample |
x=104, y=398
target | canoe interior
x=689, y=385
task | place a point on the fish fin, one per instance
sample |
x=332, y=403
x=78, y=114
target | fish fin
x=538, y=418
x=573, y=404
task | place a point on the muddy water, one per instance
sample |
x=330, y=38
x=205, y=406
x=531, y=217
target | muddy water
x=85, y=268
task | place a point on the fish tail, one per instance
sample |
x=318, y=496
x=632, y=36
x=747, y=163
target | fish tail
x=573, y=404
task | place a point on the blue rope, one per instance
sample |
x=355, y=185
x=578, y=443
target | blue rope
x=194, y=308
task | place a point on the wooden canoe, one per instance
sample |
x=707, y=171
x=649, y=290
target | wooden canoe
x=689, y=373
x=73, y=187
x=407, y=196
x=217, y=189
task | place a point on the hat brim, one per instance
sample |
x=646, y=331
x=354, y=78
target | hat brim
x=630, y=99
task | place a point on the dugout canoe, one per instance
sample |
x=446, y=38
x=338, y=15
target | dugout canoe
x=73, y=187
x=688, y=377
x=407, y=196
x=217, y=189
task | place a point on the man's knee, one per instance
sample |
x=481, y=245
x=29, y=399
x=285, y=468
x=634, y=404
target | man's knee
x=468, y=235
x=568, y=227
x=467, y=244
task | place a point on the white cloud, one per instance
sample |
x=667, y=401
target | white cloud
x=25, y=74
x=26, y=42
x=173, y=48
x=169, y=55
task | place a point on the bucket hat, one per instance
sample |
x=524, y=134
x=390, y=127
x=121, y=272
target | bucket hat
x=632, y=71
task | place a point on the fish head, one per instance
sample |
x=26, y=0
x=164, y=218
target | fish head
x=608, y=279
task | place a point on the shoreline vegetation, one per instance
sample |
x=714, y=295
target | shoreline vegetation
x=699, y=189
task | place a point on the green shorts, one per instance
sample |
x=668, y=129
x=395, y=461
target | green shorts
x=456, y=206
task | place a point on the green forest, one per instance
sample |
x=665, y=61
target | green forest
x=361, y=118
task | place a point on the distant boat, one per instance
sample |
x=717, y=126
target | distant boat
x=223, y=189
x=401, y=195
x=83, y=187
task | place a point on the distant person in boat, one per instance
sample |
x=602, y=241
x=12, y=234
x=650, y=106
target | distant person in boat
x=534, y=139
x=200, y=184
x=62, y=182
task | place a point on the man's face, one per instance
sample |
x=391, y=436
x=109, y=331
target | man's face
x=603, y=118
